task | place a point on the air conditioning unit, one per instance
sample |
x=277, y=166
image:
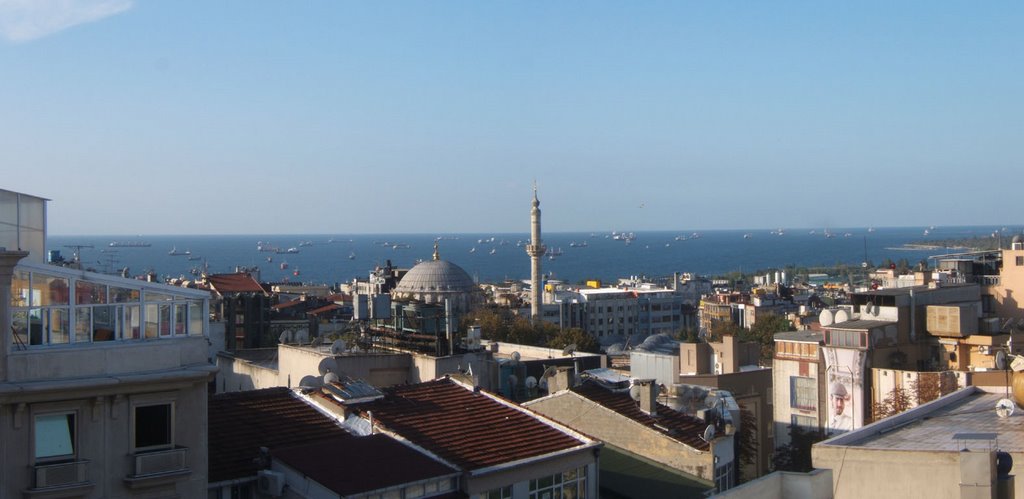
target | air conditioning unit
x=270, y=482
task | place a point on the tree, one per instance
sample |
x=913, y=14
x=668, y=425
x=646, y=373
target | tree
x=896, y=402
x=763, y=331
x=583, y=341
x=745, y=441
x=796, y=455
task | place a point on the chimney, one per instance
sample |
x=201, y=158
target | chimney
x=648, y=396
x=977, y=474
x=562, y=380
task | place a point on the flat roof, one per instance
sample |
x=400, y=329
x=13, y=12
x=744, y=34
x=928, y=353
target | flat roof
x=947, y=424
x=859, y=324
x=801, y=336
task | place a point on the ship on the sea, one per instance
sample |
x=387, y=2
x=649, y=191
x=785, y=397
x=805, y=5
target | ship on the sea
x=129, y=244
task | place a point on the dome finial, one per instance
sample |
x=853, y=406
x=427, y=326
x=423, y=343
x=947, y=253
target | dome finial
x=436, y=255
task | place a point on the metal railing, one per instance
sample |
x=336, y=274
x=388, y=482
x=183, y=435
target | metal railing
x=61, y=474
x=163, y=461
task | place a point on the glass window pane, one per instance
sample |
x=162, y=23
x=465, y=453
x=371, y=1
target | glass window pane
x=165, y=320
x=195, y=318
x=124, y=295
x=20, y=289
x=152, y=296
x=133, y=322
x=48, y=290
x=90, y=293
x=83, y=324
x=60, y=319
x=180, y=318
x=153, y=426
x=105, y=325
x=152, y=320
x=19, y=323
x=55, y=435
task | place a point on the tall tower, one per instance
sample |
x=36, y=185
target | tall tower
x=536, y=250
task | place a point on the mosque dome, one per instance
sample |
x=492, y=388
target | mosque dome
x=435, y=281
x=436, y=276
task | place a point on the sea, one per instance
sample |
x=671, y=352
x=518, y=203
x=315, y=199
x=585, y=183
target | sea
x=337, y=258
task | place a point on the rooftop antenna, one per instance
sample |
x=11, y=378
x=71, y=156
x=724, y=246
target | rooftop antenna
x=76, y=254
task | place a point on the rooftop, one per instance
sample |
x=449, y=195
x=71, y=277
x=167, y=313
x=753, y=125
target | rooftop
x=932, y=426
x=370, y=463
x=801, y=336
x=469, y=428
x=234, y=283
x=859, y=324
x=678, y=426
x=240, y=423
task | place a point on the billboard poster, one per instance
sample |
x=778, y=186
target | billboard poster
x=845, y=387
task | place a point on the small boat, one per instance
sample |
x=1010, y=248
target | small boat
x=284, y=265
x=747, y=236
x=270, y=259
x=295, y=272
x=174, y=252
x=494, y=250
x=472, y=250
x=352, y=255
x=192, y=258
x=305, y=243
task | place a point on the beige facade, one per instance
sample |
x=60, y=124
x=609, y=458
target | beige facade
x=1005, y=299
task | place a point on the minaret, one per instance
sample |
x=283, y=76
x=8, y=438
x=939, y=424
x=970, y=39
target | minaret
x=536, y=250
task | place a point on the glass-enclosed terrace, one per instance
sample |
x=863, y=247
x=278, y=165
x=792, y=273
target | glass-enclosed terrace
x=53, y=306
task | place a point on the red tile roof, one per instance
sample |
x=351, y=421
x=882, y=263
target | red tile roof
x=370, y=463
x=679, y=426
x=240, y=423
x=234, y=283
x=325, y=308
x=470, y=429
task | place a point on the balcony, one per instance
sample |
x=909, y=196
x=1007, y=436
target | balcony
x=61, y=480
x=159, y=467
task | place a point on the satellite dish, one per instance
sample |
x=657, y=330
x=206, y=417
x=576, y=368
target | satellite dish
x=330, y=378
x=1005, y=408
x=338, y=347
x=283, y=338
x=634, y=392
x=709, y=433
x=548, y=373
x=531, y=382
x=1001, y=360
x=569, y=349
x=515, y=356
x=513, y=380
x=325, y=366
x=316, y=342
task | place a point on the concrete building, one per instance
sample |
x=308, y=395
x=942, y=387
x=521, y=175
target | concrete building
x=642, y=426
x=798, y=374
x=103, y=380
x=945, y=448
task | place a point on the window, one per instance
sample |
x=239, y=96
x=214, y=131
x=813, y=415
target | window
x=55, y=436
x=498, y=493
x=1020, y=261
x=803, y=421
x=723, y=478
x=570, y=484
x=154, y=427
x=803, y=393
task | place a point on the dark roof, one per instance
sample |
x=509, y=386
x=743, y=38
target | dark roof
x=470, y=429
x=234, y=283
x=627, y=475
x=242, y=422
x=357, y=465
x=859, y=324
x=678, y=426
x=801, y=336
x=287, y=304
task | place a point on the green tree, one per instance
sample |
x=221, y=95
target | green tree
x=763, y=331
x=584, y=342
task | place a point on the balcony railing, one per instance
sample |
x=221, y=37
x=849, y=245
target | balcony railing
x=61, y=474
x=164, y=461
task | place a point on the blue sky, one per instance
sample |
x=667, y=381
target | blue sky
x=342, y=117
